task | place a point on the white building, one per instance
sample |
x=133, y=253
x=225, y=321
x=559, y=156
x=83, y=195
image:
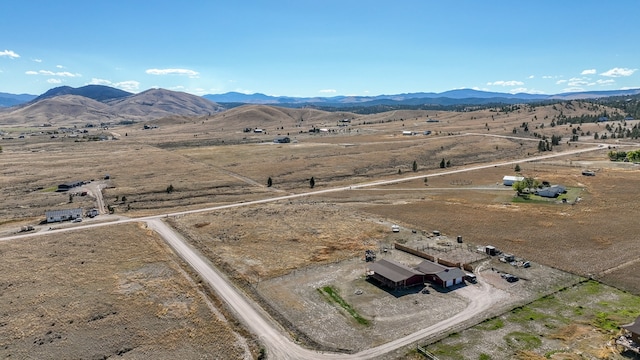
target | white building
x=63, y=215
x=509, y=180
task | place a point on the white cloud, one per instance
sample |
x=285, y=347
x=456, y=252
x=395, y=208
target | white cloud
x=549, y=77
x=60, y=66
x=9, y=53
x=187, y=72
x=605, y=82
x=327, y=91
x=51, y=73
x=618, y=72
x=578, y=82
x=54, y=81
x=531, y=76
x=505, y=83
x=560, y=82
x=130, y=85
x=96, y=81
x=573, y=89
x=478, y=88
x=37, y=60
x=588, y=72
x=518, y=90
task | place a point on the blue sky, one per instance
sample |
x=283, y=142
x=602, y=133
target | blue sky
x=320, y=48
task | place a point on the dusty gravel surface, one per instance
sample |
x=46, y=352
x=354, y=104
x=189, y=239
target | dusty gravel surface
x=104, y=293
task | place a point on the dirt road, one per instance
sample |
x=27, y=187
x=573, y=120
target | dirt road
x=279, y=346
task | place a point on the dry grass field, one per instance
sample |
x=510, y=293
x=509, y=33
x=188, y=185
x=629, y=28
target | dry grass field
x=211, y=161
x=97, y=294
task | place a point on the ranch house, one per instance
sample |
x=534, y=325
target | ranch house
x=395, y=275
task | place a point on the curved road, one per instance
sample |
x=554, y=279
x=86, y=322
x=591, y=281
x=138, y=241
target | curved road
x=279, y=345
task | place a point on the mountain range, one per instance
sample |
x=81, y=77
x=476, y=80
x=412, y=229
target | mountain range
x=452, y=97
x=98, y=103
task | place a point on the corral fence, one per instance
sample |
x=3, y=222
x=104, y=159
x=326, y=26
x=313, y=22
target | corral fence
x=424, y=255
x=422, y=350
x=461, y=182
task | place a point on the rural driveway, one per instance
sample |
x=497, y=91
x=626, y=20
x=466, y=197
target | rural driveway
x=481, y=298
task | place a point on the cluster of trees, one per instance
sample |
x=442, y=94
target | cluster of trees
x=444, y=164
x=523, y=188
x=631, y=156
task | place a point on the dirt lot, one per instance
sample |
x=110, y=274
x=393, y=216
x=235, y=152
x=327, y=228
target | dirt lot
x=105, y=293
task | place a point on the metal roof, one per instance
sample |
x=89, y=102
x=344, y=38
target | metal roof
x=442, y=272
x=65, y=212
x=392, y=270
x=634, y=327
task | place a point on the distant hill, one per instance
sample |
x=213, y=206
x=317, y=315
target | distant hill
x=7, y=100
x=95, y=92
x=452, y=97
x=66, y=106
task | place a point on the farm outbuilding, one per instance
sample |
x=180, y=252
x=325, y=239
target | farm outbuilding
x=69, y=185
x=282, y=140
x=441, y=275
x=509, y=180
x=395, y=275
x=63, y=215
x=634, y=330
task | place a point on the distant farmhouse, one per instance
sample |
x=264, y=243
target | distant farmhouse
x=63, y=215
x=551, y=191
x=510, y=180
x=282, y=140
x=69, y=185
x=395, y=275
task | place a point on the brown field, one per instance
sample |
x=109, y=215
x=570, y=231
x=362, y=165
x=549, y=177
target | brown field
x=210, y=161
x=105, y=293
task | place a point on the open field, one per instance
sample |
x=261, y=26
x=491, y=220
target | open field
x=280, y=253
x=576, y=323
x=105, y=293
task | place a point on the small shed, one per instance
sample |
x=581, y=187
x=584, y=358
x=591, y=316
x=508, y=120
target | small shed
x=395, y=275
x=63, y=215
x=634, y=330
x=588, y=173
x=490, y=250
x=509, y=180
x=282, y=140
